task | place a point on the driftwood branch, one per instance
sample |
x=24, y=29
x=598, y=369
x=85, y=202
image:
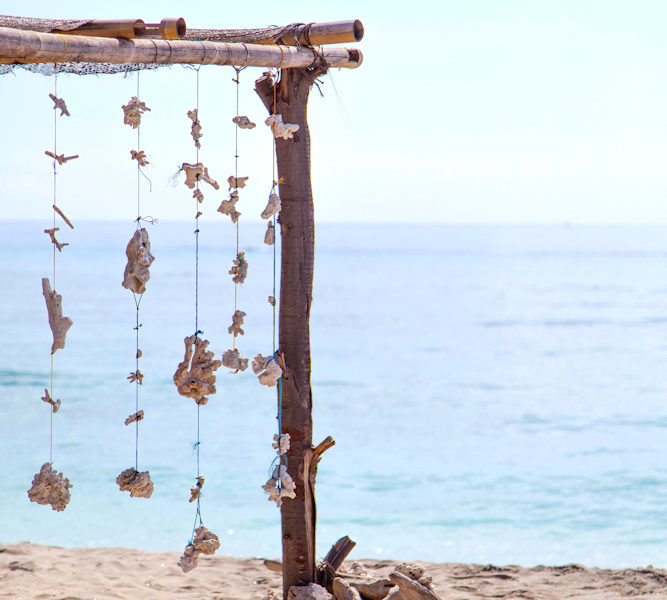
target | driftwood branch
x=333, y=560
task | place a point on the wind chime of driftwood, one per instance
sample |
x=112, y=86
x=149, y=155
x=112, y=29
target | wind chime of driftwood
x=135, y=277
x=49, y=486
x=195, y=376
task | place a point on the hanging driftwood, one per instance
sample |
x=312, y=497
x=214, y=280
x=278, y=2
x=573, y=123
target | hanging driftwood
x=59, y=325
x=282, y=130
x=268, y=370
x=280, y=486
x=135, y=418
x=140, y=157
x=237, y=321
x=281, y=443
x=52, y=234
x=133, y=111
x=243, y=122
x=138, y=484
x=50, y=487
x=272, y=207
x=233, y=360
x=55, y=404
x=197, y=172
x=196, y=126
x=63, y=216
x=239, y=270
x=228, y=207
x=270, y=235
x=195, y=490
x=61, y=159
x=236, y=182
x=196, y=379
x=204, y=542
x=59, y=103
x=139, y=259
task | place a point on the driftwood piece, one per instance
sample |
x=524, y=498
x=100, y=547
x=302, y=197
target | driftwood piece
x=270, y=235
x=236, y=182
x=312, y=591
x=55, y=404
x=204, y=542
x=138, y=484
x=267, y=369
x=339, y=551
x=272, y=207
x=59, y=103
x=133, y=111
x=273, y=565
x=281, y=443
x=140, y=157
x=63, y=216
x=61, y=159
x=239, y=270
x=243, y=122
x=59, y=325
x=280, y=485
x=233, y=360
x=50, y=487
x=228, y=207
x=342, y=590
x=282, y=130
x=52, y=234
x=195, y=130
x=195, y=490
x=376, y=590
x=198, y=172
x=135, y=418
x=196, y=380
x=139, y=260
x=237, y=321
x=409, y=589
x=415, y=572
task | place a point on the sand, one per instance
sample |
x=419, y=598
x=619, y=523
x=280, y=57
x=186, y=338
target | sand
x=32, y=571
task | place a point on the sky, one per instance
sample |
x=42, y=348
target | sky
x=462, y=111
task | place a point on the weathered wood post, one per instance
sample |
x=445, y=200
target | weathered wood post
x=289, y=97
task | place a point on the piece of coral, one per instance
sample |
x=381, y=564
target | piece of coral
x=196, y=379
x=198, y=196
x=243, y=122
x=270, y=235
x=140, y=157
x=236, y=182
x=61, y=159
x=59, y=325
x=59, y=103
x=228, y=207
x=204, y=542
x=55, y=404
x=135, y=418
x=136, y=376
x=272, y=207
x=280, y=129
x=240, y=269
x=197, y=172
x=196, y=126
x=416, y=572
x=237, y=321
x=233, y=360
x=139, y=260
x=281, y=443
x=280, y=486
x=63, y=216
x=195, y=490
x=133, y=111
x=52, y=234
x=50, y=487
x=268, y=370
x=138, y=484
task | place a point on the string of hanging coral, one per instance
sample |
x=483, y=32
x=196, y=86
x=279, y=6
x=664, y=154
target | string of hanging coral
x=49, y=486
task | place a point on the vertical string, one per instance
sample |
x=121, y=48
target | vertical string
x=55, y=173
x=236, y=174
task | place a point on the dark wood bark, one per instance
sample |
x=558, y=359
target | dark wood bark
x=289, y=97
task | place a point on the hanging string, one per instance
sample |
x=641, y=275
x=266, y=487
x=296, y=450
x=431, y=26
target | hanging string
x=55, y=204
x=237, y=80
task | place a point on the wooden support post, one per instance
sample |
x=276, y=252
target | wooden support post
x=289, y=98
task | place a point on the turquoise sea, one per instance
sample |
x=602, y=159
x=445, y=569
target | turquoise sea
x=497, y=393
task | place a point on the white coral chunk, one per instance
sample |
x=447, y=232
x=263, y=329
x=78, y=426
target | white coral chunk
x=139, y=260
x=243, y=122
x=280, y=129
x=233, y=360
x=272, y=207
x=281, y=443
x=204, y=542
x=280, y=486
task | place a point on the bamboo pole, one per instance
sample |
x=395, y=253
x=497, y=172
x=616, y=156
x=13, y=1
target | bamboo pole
x=18, y=46
x=316, y=34
x=168, y=29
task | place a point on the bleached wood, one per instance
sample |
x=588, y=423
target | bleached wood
x=59, y=325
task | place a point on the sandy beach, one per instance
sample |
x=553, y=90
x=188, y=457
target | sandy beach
x=32, y=571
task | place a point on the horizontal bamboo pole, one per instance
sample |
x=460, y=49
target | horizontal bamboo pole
x=17, y=46
x=168, y=28
x=317, y=34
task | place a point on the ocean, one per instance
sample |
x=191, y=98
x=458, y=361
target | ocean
x=497, y=393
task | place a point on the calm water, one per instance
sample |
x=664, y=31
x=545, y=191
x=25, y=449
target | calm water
x=497, y=394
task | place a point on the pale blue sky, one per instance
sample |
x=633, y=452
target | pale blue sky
x=475, y=111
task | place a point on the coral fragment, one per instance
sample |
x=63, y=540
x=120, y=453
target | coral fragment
x=138, y=484
x=196, y=379
x=50, y=487
x=139, y=260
